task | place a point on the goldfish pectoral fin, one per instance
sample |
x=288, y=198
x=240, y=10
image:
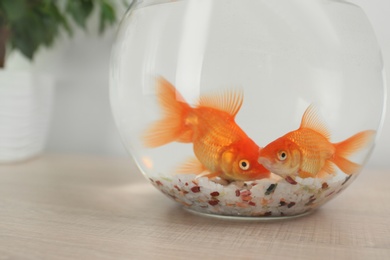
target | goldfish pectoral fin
x=191, y=166
x=228, y=101
x=304, y=174
x=170, y=128
x=312, y=120
x=291, y=180
x=346, y=166
x=208, y=174
x=328, y=169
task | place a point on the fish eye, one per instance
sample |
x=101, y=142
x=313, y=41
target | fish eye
x=244, y=165
x=282, y=155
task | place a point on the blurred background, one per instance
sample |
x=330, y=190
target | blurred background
x=81, y=118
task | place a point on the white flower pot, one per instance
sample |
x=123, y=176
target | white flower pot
x=25, y=109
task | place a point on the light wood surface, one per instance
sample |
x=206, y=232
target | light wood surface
x=80, y=207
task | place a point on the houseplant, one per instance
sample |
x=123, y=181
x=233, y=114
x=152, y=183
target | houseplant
x=26, y=26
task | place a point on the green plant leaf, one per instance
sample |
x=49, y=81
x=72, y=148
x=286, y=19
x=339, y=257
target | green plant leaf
x=80, y=10
x=23, y=40
x=45, y=20
x=35, y=23
x=107, y=15
x=59, y=19
x=13, y=10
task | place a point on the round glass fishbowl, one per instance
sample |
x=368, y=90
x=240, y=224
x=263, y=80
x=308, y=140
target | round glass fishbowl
x=248, y=108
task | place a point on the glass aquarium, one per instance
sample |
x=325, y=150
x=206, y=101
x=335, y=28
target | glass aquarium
x=248, y=108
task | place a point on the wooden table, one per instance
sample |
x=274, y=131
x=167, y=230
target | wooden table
x=80, y=207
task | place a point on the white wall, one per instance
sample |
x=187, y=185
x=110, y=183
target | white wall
x=82, y=121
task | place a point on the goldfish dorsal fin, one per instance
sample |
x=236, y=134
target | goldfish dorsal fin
x=312, y=120
x=229, y=101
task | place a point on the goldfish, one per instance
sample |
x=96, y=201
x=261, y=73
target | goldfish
x=308, y=152
x=222, y=149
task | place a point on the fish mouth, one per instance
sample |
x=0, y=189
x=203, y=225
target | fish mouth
x=265, y=162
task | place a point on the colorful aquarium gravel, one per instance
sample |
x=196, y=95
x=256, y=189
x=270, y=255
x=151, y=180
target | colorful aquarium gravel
x=263, y=198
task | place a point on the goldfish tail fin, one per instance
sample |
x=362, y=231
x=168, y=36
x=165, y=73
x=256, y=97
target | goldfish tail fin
x=171, y=127
x=354, y=143
x=349, y=146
